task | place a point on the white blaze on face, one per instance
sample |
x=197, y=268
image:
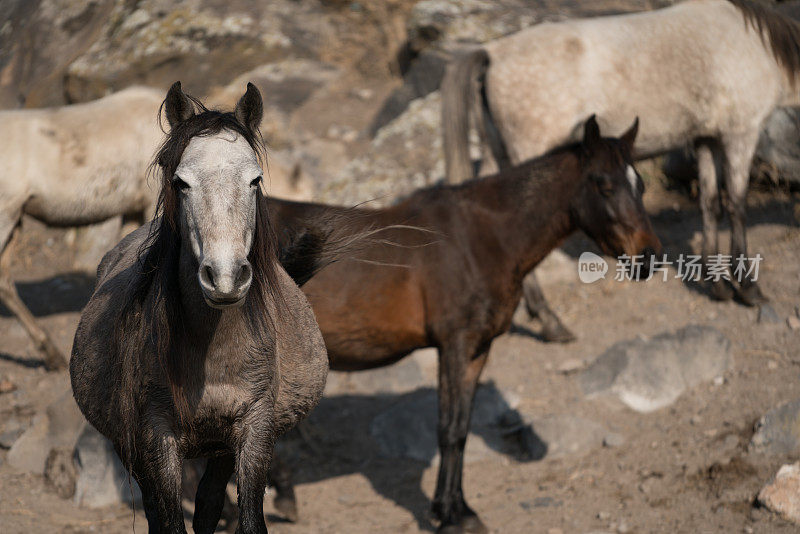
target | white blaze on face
x=630, y=172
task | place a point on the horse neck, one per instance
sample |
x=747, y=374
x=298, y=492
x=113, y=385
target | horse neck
x=533, y=206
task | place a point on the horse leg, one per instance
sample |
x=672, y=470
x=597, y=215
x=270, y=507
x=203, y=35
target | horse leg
x=739, y=152
x=460, y=366
x=553, y=329
x=158, y=472
x=252, y=468
x=707, y=162
x=53, y=359
x=280, y=478
x=210, y=498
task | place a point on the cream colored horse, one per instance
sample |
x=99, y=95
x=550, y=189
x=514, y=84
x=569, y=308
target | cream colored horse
x=703, y=72
x=70, y=166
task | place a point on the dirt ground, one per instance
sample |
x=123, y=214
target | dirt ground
x=684, y=468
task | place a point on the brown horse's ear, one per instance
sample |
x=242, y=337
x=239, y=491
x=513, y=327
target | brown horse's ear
x=250, y=108
x=591, y=134
x=177, y=105
x=629, y=137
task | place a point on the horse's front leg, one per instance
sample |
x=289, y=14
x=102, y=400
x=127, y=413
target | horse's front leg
x=252, y=469
x=460, y=366
x=536, y=304
x=157, y=468
x=210, y=498
x=739, y=152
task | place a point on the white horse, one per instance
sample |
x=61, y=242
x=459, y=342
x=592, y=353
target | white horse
x=702, y=72
x=70, y=166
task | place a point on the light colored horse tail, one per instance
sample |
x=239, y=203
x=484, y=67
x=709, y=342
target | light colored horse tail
x=457, y=94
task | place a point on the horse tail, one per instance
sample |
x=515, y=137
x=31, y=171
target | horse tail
x=457, y=96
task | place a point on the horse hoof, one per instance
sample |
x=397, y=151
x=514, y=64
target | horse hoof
x=721, y=290
x=751, y=296
x=286, y=507
x=557, y=333
x=474, y=525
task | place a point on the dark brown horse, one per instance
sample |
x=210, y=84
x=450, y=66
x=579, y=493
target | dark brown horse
x=196, y=342
x=456, y=287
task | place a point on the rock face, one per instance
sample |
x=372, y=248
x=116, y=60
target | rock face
x=648, y=375
x=102, y=480
x=778, y=151
x=782, y=495
x=57, y=428
x=778, y=432
x=405, y=155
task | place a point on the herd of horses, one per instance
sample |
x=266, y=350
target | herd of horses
x=198, y=340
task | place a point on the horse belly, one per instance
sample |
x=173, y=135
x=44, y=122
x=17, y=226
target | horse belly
x=367, y=322
x=105, y=193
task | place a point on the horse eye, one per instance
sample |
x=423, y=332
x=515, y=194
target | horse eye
x=255, y=181
x=179, y=183
x=604, y=185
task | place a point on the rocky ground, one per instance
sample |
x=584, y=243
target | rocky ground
x=650, y=422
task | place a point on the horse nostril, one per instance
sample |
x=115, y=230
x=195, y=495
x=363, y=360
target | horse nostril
x=244, y=275
x=207, y=275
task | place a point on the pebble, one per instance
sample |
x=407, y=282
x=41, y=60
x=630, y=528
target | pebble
x=613, y=439
x=767, y=314
x=7, y=386
x=782, y=495
x=793, y=322
x=571, y=365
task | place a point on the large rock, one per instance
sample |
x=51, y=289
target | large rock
x=778, y=432
x=782, y=495
x=650, y=374
x=405, y=155
x=102, y=480
x=778, y=152
x=57, y=428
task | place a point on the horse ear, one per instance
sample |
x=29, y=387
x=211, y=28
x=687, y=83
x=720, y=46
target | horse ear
x=177, y=105
x=250, y=108
x=591, y=134
x=629, y=137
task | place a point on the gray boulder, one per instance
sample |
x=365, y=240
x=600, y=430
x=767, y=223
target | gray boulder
x=647, y=375
x=102, y=479
x=778, y=431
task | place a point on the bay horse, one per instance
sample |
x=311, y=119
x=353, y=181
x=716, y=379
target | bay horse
x=69, y=166
x=196, y=342
x=456, y=287
x=703, y=72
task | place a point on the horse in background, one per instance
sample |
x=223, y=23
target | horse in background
x=70, y=166
x=456, y=286
x=196, y=342
x=703, y=72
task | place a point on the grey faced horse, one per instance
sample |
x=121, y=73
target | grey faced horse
x=703, y=72
x=196, y=343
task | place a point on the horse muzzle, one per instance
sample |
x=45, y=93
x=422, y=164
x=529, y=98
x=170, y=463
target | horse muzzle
x=225, y=285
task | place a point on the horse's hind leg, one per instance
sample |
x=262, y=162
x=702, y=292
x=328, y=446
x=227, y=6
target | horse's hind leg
x=708, y=161
x=53, y=359
x=210, y=498
x=280, y=478
x=552, y=327
x=460, y=366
